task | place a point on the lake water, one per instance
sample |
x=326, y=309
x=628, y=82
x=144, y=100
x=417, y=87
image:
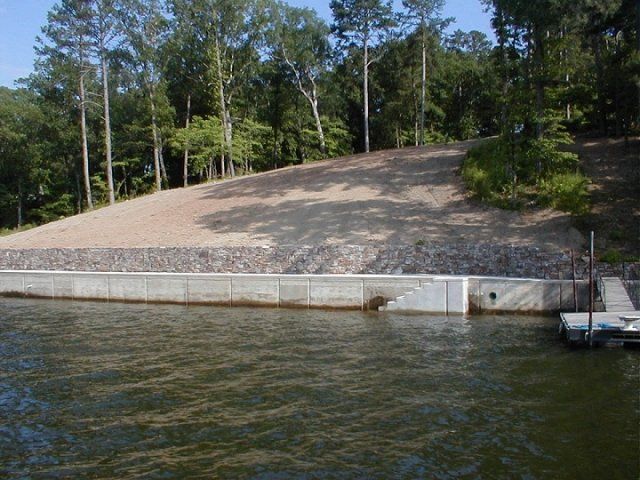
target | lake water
x=91, y=390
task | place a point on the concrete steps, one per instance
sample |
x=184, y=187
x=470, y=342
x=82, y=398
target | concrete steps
x=410, y=301
x=443, y=296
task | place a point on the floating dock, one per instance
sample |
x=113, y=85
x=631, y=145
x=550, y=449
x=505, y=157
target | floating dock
x=609, y=327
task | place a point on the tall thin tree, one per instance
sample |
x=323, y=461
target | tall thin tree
x=424, y=15
x=362, y=24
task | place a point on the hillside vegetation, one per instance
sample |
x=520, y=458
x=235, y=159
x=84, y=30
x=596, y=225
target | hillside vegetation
x=130, y=97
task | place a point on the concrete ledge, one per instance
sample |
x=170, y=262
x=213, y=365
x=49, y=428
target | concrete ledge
x=434, y=294
x=504, y=295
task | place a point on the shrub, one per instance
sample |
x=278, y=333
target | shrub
x=566, y=192
x=506, y=173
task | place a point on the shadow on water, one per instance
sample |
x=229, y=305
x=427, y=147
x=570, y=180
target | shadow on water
x=127, y=391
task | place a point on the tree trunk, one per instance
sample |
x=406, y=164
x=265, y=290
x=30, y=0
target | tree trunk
x=156, y=140
x=19, y=202
x=85, y=147
x=107, y=127
x=365, y=93
x=602, y=113
x=163, y=168
x=423, y=93
x=78, y=191
x=225, y=116
x=538, y=58
x=316, y=115
x=229, y=125
x=185, y=169
x=638, y=51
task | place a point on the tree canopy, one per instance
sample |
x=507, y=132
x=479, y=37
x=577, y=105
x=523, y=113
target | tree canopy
x=132, y=96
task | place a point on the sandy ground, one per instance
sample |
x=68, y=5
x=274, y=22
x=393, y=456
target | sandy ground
x=393, y=196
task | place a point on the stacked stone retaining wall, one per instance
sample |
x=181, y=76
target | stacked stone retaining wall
x=451, y=259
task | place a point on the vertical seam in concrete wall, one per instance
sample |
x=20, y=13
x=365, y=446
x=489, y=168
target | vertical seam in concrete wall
x=446, y=298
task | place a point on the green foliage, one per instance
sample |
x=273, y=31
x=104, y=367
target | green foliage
x=485, y=174
x=542, y=156
x=59, y=208
x=566, y=192
x=274, y=70
x=489, y=173
x=204, y=140
x=613, y=255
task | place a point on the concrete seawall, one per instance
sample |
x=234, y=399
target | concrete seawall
x=444, y=294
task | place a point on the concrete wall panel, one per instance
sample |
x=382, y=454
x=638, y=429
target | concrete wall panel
x=127, y=288
x=522, y=296
x=336, y=293
x=255, y=291
x=38, y=285
x=164, y=288
x=95, y=287
x=294, y=292
x=12, y=283
x=457, y=296
x=62, y=285
x=209, y=290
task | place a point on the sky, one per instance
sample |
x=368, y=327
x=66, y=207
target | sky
x=21, y=20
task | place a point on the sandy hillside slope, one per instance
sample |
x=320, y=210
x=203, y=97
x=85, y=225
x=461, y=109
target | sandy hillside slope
x=394, y=196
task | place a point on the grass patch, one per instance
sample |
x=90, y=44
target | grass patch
x=10, y=231
x=615, y=256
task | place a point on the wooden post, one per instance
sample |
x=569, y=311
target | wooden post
x=591, y=293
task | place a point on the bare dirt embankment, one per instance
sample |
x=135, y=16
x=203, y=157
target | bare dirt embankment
x=614, y=168
x=394, y=197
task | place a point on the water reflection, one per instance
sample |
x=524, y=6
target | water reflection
x=127, y=391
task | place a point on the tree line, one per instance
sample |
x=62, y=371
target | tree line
x=134, y=96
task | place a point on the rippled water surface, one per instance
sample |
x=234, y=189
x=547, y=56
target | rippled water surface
x=136, y=391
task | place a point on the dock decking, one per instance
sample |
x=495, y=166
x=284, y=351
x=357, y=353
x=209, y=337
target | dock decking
x=608, y=328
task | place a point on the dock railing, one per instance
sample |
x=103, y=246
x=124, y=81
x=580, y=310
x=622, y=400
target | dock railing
x=631, y=282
